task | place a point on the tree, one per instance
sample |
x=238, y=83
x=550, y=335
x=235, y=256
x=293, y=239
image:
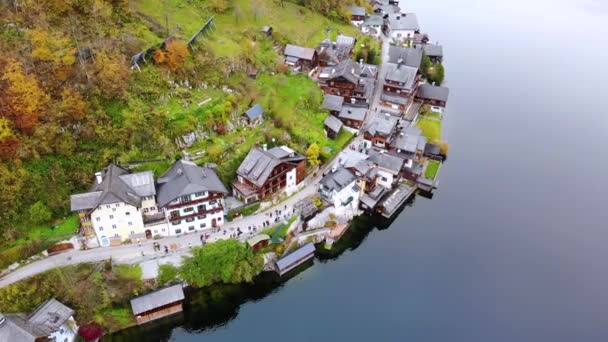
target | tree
x=39, y=213
x=166, y=274
x=225, y=261
x=435, y=73
x=312, y=153
x=111, y=74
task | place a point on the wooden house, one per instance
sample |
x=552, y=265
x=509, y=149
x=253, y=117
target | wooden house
x=300, y=58
x=400, y=85
x=258, y=242
x=351, y=80
x=357, y=13
x=332, y=126
x=381, y=130
x=433, y=95
x=253, y=116
x=333, y=103
x=158, y=304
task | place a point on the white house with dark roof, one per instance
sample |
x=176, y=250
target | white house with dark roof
x=389, y=168
x=51, y=321
x=372, y=25
x=410, y=56
x=114, y=209
x=402, y=26
x=339, y=187
x=191, y=197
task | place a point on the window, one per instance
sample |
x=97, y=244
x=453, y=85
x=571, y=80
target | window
x=162, y=230
x=113, y=209
x=61, y=331
x=384, y=179
x=201, y=207
x=111, y=217
x=212, y=202
x=189, y=209
x=219, y=218
x=199, y=194
x=175, y=213
x=130, y=223
x=108, y=206
x=132, y=232
x=190, y=219
x=201, y=217
x=191, y=228
x=117, y=205
x=178, y=231
x=98, y=219
x=114, y=226
x=175, y=223
x=203, y=225
x=155, y=231
x=185, y=198
x=127, y=213
x=145, y=210
x=101, y=229
x=116, y=235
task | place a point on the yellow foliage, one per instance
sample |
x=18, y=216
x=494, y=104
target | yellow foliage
x=177, y=51
x=51, y=48
x=5, y=129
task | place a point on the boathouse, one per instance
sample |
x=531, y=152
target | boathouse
x=258, y=242
x=395, y=200
x=158, y=304
x=295, y=259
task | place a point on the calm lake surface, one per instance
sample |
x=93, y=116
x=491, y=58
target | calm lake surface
x=513, y=246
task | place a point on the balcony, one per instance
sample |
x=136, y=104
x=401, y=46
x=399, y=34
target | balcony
x=217, y=209
x=195, y=201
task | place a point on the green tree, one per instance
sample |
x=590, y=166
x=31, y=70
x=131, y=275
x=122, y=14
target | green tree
x=166, y=274
x=225, y=261
x=312, y=153
x=39, y=213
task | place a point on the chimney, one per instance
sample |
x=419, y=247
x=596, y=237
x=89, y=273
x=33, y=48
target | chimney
x=352, y=71
x=402, y=134
x=333, y=45
x=398, y=17
x=264, y=147
x=334, y=168
x=98, y=177
x=361, y=62
x=387, y=116
x=332, y=71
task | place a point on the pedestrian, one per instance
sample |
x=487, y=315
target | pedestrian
x=190, y=245
x=166, y=249
x=142, y=253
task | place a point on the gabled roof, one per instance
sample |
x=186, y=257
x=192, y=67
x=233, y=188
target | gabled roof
x=258, y=164
x=185, y=178
x=407, y=21
x=257, y=239
x=432, y=149
x=353, y=113
x=338, y=180
x=332, y=102
x=157, y=299
x=357, y=10
x=347, y=69
x=333, y=123
x=43, y=321
x=299, y=52
x=387, y=161
x=431, y=92
x=298, y=254
x=383, y=125
x=432, y=50
x=254, y=112
x=402, y=74
x=411, y=57
x=374, y=20
x=114, y=187
x=141, y=182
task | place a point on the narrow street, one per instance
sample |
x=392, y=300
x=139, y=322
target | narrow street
x=132, y=253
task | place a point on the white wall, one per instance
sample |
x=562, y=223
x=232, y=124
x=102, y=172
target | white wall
x=291, y=185
x=67, y=332
x=402, y=35
x=116, y=219
x=340, y=197
x=197, y=223
x=388, y=183
x=148, y=205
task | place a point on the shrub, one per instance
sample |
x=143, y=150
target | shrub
x=166, y=274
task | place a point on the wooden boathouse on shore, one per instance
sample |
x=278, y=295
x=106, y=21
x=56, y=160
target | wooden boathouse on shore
x=389, y=206
x=158, y=304
x=295, y=259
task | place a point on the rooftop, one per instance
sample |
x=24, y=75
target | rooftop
x=332, y=102
x=431, y=92
x=333, y=123
x=357, y=10
x=254, y=112
x=258, y=164
x=374, y=20
x=387, y=161
x=353, y=113
x=157, y=299
x=294, y=257
x=402, y=74
x=383, y=125
x=432, y=50
x=406, y=22
x=411, y=57
x=299, y=52
x=338, y=180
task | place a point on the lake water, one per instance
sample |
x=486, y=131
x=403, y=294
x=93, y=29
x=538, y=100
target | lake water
x=513, y=246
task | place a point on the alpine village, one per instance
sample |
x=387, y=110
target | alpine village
x=211, y=142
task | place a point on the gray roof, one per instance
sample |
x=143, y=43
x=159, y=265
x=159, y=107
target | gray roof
x=408, y=140
x=432, y=149
x=387, y=161
x=409, y=56
x=43, y=321
x=429, y=91
x=432, y=50
x=299, y=52
x=258, y=164
x=383, y=125
x=333, y=123
x=407, y=21
x=396, y=198
x=349, y=158
x=374, y=20
x=348, y=69
x=353, y=113
x=141, y=182
x=393, y=98
x=402, y=74
x=157, y=299
x=185, y=178
x=338, y=180
x=345, y=40
x=115, y=187
x=357, y=10
x=332, y=102
x=293, y=257
x=254, y=112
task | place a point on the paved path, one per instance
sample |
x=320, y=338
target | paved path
x=138, y=253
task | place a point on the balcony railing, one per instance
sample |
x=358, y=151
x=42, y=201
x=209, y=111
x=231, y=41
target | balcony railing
x=195, y=201
x=196, y=213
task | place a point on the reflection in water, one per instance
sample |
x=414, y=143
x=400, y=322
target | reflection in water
x=215, y=306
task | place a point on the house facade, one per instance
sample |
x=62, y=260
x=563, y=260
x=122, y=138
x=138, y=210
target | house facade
x=345, y=79
x=115, y=208
x=191, y=198
x=340, y=189
x=400, y=85
x=158, y=304
x=265, y=172
x=402, y=27
x=433, y=95
x=50, y=321
x=380, y=131
x=300, y=58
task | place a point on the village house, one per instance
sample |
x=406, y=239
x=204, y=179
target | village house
x=352, y=116
x=258, y=242
x=433, y=95
x=253, y=116
x=433, y=151
x=357, y=14
x=401, y=27
x=158, y=304
x=390, y=167
x=267, y=31
x=191, y=197
x=300, y=58
x=50, y=321
x=339, y=188
x=351, y=80
x=400, y=85
x=265, y=172
x=408, y=143
x=331, y=53
x=435, y=52
x=364, y=170
x=420, y=39
x=372, y=25
x=115, y=207
x=411, y=57
x=380, y=131
x=333, y=103
x=332, y=126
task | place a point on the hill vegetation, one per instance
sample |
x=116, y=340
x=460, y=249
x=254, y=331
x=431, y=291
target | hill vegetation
x=70, y=103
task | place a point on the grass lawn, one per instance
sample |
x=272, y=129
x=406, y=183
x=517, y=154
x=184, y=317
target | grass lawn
x=65, y=229
x=431, y=128
x=432, y=115
x=431, y=169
